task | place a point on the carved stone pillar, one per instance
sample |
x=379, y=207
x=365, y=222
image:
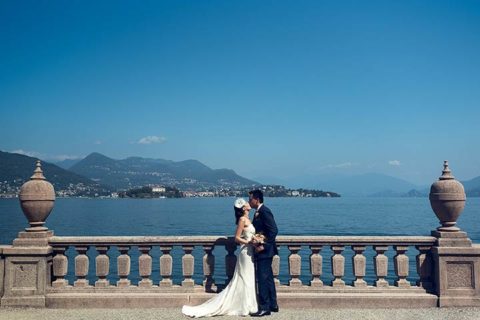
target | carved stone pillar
x=457, y=276
x=359, y=263
x=188, y=262
x=294, y=266
x=276, y=269
x=230, y=259
x=424, y=267
x=60, y=267
x=123, y=267
x=208, y=268
x=316, y=261
x=81, y=267
x=166, y=265
x=381, y=266
x=145, y=266
x=27, y=276
x=401, y=266
x=102, y=267
x=338, y=266
x=2, y=270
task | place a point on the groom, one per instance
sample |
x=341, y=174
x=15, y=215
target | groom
x=264, y=223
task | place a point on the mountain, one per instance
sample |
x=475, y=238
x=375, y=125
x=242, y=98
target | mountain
x=136, y=172
x=67, y=163
x=414, y=193
x=472, y=187
x=16, y=169
x=369, y=184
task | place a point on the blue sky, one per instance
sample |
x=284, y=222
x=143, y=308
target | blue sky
x=267, y=88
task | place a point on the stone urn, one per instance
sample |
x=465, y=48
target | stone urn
x=37, y=197
x=447, y=198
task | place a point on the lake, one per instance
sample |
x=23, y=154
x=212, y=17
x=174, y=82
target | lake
x=214, y=216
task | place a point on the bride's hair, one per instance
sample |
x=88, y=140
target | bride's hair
x=238, y=214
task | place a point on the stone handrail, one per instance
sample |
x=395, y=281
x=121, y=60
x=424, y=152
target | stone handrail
x=222, y=240
x=380, y=245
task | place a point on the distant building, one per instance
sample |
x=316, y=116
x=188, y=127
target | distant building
x=206, y=194
x=158, y=189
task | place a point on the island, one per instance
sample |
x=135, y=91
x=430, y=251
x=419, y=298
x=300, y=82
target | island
x=274, y=191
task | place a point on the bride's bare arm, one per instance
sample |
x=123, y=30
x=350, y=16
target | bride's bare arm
x=238, y=233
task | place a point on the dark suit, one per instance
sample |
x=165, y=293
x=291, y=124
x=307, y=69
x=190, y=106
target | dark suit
x=265, y=223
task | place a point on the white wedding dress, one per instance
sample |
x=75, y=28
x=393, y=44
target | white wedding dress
x=239, y=297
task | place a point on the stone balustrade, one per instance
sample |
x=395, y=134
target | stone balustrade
x=313, y=245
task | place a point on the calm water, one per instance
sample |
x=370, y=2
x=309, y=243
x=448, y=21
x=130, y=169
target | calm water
x=214, y=216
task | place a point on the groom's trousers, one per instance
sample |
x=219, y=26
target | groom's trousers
x=267, y=294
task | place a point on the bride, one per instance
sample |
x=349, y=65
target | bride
x=239, y=297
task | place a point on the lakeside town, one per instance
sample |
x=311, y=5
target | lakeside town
x=80, y=190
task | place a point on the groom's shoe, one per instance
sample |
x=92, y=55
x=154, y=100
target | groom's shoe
x=261, y=313
x=274, y=309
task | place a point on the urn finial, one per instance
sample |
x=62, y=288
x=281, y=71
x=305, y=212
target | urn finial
x=38, y=173
x=37, y=197
x=447, y=198
x=446, y=173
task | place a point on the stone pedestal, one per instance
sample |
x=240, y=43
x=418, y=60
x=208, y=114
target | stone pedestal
x=452, y=239
x=32, y=239
x=27, y=270
x=457, y=275
x=457, y=269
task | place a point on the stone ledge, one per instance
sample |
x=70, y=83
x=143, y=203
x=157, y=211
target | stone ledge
x=117, y=300
x=285, y=300
x=459, y=302
x=29, y=301
x=200, y=290
x=371, y=300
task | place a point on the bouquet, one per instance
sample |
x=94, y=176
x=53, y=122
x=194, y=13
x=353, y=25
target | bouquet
x=258, y=241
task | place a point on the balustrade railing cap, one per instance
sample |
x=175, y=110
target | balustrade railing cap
x=222, y=240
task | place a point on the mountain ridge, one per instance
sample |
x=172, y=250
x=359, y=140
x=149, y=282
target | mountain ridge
x=16, y=169
x=137, y=171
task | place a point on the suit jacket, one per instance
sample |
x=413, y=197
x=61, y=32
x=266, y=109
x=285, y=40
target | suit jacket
x=265, y=223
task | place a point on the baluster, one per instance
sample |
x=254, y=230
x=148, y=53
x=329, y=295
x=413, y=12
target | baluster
x=208, y=268
x=102, y=266
x=230, y=260
x=316, y=261
x=81, y=267
x=276, y=269
x=2, y=273
x=123, y=266
x=294, y=266
x=381, y=266
x=424, y=267
x=145, y=266
x=187, y=266
x=60, y=267
x=166, y=264
x=401, y=266
x=359, y=266
x=338, y=266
